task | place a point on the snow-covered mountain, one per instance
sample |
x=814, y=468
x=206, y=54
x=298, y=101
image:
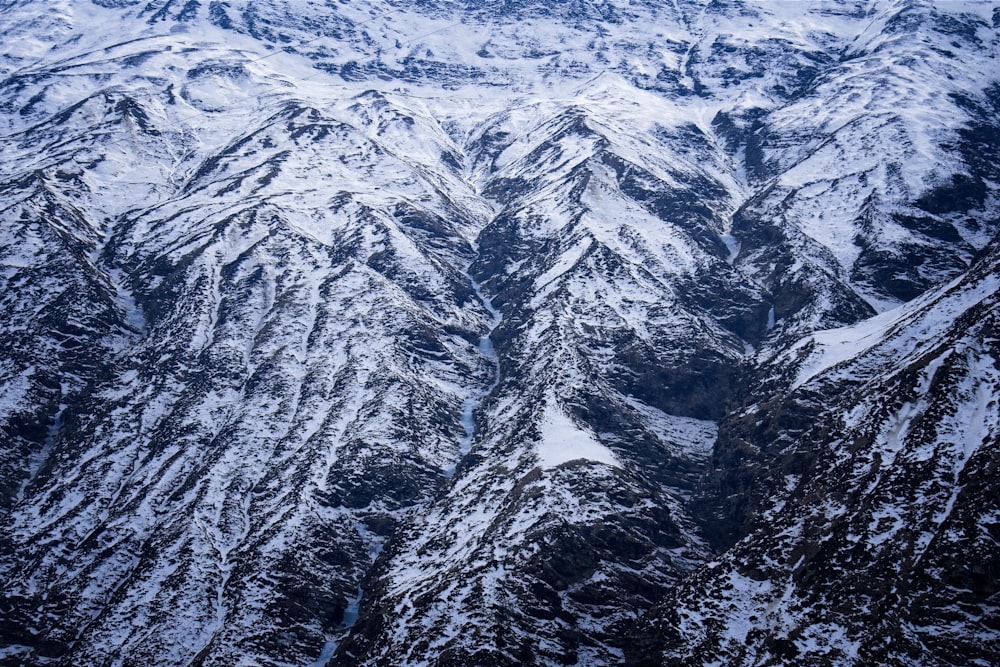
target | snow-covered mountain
x=466, y=333
x=873, y=535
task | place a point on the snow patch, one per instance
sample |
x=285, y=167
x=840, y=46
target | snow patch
x=564, y=440
x=733, y=245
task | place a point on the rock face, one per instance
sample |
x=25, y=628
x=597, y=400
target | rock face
x=465, y=333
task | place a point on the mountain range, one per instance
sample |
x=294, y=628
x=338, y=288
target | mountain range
x=446, y=332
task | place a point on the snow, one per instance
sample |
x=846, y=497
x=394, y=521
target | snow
x=14, y=390
x=733, y=245
x=544, y=284
x=126, y=300
x=828, y=639
x=886, y=522
x=563, y=440
x=686, y=435
x=918, y=321
x=326, y=654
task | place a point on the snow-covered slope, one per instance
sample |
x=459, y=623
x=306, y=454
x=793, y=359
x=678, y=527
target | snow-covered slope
x=463, y=333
